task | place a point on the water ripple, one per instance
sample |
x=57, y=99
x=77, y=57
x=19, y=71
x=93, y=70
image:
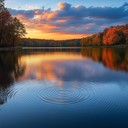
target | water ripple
x=64, y=95
x=10, y=93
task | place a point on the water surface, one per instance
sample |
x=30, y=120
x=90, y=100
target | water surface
x=79, y=88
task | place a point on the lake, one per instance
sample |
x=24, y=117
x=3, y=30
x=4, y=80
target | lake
x=64, y=88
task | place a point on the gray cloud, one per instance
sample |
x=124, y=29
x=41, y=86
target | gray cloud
x=73, y=19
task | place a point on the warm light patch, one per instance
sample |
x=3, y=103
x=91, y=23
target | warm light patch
x=56, y=36
x=44, y=66
x=39, y=58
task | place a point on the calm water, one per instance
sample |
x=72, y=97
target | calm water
x=78, y=88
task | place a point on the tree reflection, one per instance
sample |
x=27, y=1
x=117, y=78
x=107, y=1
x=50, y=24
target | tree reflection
x=10, y=71
x=113, y=58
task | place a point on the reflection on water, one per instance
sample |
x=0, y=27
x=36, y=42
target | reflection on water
x=113, y=58
x=66, y=94
x=51, y=85
x=77, y=66
x=10, y=70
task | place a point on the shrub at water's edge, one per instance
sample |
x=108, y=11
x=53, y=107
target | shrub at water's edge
x=117, y=35
x=11, y=29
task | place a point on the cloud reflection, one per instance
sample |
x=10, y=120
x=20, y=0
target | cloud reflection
x=65, y=67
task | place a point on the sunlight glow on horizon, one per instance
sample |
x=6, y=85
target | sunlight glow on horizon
x=52, y=36
x=65, y=20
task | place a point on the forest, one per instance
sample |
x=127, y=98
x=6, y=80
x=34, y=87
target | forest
x=28, y=42
x=115, y=35
x=11, y=29
x=12, y=33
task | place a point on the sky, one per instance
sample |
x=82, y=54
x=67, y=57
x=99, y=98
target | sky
x=68, y=19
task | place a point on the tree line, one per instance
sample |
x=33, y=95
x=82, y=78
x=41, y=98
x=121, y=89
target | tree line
x=28, y=42
x=115, y=35
x=12, y=33
x=11, y=29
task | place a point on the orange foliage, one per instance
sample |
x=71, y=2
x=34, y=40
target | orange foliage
x=113, y=58
x=111, y=36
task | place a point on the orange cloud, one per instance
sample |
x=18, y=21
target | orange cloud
x=69, y=21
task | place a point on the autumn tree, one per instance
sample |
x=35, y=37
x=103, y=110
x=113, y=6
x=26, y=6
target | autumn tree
x=11, y=29
x=16, y=31
x=5, y=18
x=86, y=41
x=97, y=39
x=113, y=36
x=124, y=29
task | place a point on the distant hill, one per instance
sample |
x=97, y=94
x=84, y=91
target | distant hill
x=115, y=35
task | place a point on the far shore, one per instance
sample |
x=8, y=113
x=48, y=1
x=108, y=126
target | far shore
x=106, y=46
x=9, y=48
x=27, y=48
x=36, y=48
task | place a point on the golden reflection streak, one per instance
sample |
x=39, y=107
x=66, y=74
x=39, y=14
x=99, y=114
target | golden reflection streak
x=37, y=34
x=42, y=66
x=37, y=58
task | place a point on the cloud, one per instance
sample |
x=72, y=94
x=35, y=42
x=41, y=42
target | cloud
x=68, y=19
x=64, y=6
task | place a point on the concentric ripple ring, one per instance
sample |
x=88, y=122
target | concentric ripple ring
x=63, y=95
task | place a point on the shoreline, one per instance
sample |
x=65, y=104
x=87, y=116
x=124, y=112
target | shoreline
x=107, y=46
x=36, y=48
x=10, y=48
x=29, y=48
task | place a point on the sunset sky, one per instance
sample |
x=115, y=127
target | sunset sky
x=67, y=19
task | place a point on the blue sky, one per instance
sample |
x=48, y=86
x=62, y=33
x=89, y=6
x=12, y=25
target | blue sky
x=29, y=4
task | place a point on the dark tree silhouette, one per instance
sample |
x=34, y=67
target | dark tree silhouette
x=11, y=69
x=11, y=29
